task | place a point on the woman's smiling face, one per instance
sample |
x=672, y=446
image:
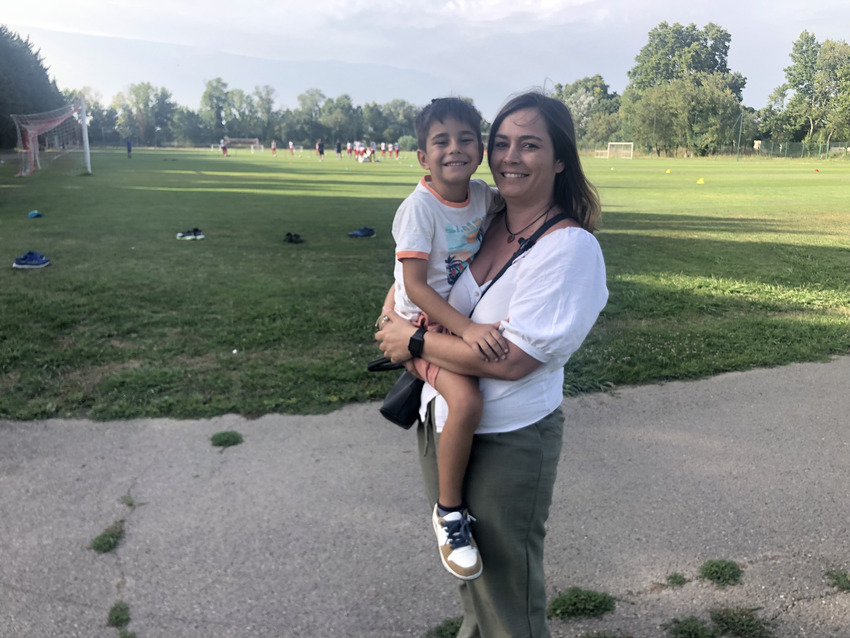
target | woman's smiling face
x=523, y=158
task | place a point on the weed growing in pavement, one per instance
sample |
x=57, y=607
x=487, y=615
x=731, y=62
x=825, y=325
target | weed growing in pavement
x=721, y=572
x=840, y=579
x=128, y=500
x=677, y=580
x=119, y=615
x=690, y=627
x=226, y=439
x=580, y=602
x=741, y=622
x=448, y=629
x=123, y=633
x=109, y=539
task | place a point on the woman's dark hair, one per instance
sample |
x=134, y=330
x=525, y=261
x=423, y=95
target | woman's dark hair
x=442, y=108
x=574, y=195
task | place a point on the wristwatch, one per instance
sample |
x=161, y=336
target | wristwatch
x=417, y=342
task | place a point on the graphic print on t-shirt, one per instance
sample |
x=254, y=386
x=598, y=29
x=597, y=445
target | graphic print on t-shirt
x=462, y=243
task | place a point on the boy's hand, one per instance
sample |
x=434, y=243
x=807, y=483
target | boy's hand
x=487, y=341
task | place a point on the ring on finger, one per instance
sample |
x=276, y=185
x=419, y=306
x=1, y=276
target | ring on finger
x=380, y=322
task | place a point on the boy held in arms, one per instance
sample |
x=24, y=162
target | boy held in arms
x=438, y=230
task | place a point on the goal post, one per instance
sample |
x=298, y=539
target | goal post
x=620, y=150
x=252, y=142
x=53, y=134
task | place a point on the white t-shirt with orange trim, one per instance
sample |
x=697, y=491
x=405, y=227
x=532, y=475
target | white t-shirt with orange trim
x=446, y=234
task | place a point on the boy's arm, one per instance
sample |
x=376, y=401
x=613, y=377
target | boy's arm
x=482, y=337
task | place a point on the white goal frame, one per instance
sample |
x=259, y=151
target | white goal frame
x=620, y=150
x=253, y=142
x=34, y=125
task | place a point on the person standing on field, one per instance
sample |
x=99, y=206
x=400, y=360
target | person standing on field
x=545, y=303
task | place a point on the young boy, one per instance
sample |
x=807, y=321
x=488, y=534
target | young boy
x=438, y=230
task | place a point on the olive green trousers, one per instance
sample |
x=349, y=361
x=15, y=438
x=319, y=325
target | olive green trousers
x=508, y=489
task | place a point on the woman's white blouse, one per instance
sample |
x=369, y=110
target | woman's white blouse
x=547, y=302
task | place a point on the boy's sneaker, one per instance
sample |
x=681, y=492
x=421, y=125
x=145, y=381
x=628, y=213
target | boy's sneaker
x=31, y=259
x=458, y=550
x=195, y=233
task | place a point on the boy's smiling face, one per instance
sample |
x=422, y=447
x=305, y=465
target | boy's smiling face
x=452, y=155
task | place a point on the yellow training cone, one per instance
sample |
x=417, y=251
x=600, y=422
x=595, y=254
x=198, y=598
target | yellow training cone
x=668, y=170
x=700, y=181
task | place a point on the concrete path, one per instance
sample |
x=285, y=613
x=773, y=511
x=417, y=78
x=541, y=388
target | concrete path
x=317, y=526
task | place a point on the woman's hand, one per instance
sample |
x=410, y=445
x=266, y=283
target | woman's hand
x=394, y=336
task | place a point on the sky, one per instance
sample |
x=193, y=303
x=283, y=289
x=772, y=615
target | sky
x=380, y=50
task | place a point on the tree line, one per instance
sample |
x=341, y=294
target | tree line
x=682, y=97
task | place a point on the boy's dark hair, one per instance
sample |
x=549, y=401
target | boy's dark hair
x=441, y=108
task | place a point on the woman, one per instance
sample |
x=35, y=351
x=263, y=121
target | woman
x=547, y=301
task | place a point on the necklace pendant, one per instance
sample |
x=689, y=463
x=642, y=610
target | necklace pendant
x=511, y=238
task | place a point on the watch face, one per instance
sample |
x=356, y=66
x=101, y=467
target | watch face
x=416, y=343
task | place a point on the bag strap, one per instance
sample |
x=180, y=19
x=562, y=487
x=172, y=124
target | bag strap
x=524, y=246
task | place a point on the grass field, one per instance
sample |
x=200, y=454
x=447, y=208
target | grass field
x=749, y=269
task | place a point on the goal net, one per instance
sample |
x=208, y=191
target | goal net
x=620, y=150
x=252, y=142
x=57, y=137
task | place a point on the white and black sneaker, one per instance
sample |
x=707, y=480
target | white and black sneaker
x=195, y=233
x=458, y=550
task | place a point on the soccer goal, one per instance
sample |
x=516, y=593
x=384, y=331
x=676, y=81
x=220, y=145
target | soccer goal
x=620, y=150
x=252, y=142
x=58, y=137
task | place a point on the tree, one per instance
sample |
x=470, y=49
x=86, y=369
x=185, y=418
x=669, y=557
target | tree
x=163, y=115
x=143, y=112
x=818, y=76
x=189, y=128
x=399, y=116
x=801, y=78
x=340, y=118
x=101, y=121
x=215, y=108
x=675, y=52
x=25, y=86
x=374, y=122
x=264, y=99
x=681, y=91
x=594, y=109
x=243, y=117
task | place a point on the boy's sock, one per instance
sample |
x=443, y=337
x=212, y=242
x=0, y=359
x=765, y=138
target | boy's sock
x=444, y=511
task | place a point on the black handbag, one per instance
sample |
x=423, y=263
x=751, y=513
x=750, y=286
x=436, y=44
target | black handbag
x=401, y=405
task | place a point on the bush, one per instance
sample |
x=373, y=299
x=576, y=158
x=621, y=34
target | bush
x=109, y=539
x=740, y=621
x=839, y=579
x=226, y=438
x=677, y=580
x=119, y=615
x=721, y=572
x=690, y=627
x=449, y=629
x=577, y=602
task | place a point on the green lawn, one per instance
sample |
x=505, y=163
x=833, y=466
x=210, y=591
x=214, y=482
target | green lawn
x=750, y=269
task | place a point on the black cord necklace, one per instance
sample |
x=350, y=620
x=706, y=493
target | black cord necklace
x=512, y=235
